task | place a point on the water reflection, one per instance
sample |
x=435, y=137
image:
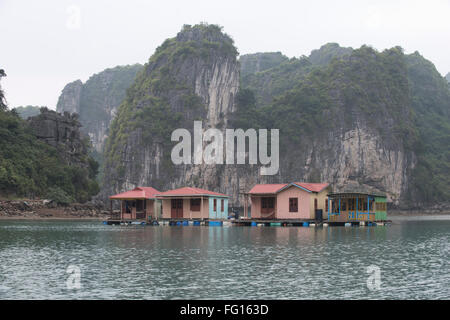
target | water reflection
x=223, y=262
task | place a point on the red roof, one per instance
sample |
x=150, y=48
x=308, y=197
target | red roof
x=188, y=191
x=275, y=188
x=267, y=188
x=137, y=193
x=313, y=187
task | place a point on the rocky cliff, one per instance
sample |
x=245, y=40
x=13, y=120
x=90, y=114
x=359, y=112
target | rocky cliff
x=348, y=117
x=97, y=100
x=61, y=131
x=194, y=76
x=69, y=100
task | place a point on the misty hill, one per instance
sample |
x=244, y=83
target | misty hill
x=257, y=62
x=448, y=77
x=28, y=111
x=96, y=101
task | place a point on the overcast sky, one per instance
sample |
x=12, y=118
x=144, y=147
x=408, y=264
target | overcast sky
x=46, y=44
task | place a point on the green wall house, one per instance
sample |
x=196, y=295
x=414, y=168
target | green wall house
x=380, y=208
x=356, y=206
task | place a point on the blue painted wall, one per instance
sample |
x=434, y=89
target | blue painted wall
x=218, y=214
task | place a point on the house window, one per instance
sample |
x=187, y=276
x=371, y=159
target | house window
x=140, y=205
x=315, y=204
x=326, y=205
x=195, y=204
x=380, y=206
x=344, y=204
x=215, y=204
x=222, y=205
x=293, y=204
x=268, y=203
x=351, y=204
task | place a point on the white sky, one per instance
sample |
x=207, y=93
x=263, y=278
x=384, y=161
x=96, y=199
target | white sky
x=44, y=46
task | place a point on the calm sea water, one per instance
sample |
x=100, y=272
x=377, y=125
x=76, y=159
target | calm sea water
x=224, y=262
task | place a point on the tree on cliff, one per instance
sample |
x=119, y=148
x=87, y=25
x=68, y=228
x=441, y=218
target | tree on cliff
x=2, y=95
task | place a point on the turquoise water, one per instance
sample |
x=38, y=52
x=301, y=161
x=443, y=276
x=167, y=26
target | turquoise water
x=119, y=262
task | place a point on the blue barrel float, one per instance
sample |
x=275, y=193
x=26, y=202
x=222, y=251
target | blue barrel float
x=185, y=223
x=254, y=224
x=215, y=223
x=196, y=223
x=306, y=224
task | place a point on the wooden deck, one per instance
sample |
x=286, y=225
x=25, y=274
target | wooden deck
x=245, y=222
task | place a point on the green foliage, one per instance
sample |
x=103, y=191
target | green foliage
x=258, y=62
x=28, y=111
x=319, y=97
x=30, y=167
x=59, y=196
x=162, y=98
x=246, y=115
x=2, y=94
x=327, y=53
x=430, y=100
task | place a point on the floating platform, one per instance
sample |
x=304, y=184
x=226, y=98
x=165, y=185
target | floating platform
x=247, y=222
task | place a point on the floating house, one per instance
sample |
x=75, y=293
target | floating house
x=138, y=204
x=356, y=206
x=296, y=200
x=193, y=203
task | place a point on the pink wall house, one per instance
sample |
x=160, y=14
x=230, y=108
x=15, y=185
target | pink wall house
x=296, y=200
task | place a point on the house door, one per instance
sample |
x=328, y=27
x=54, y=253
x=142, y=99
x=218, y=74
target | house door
x=177, y=208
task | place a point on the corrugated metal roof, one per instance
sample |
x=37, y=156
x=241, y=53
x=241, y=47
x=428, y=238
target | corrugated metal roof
x=137, y=193
x=189, y=191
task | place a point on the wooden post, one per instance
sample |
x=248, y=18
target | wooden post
x=110, y=207
x=121, y=209
x=368, y=209
x=245, y=205
x=201, y=209
x=357, y=213
x=190, y=212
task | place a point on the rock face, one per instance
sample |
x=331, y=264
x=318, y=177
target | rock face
x=190, y=77
x=61, y=131
x=448, y=77
x=97, y=100
x=69, y=100
x=346, y=121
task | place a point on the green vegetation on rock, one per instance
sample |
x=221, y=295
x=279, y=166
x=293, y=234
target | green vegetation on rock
x=258, y=62
x=430, y=100
x=30, y=167
x=162, y=97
